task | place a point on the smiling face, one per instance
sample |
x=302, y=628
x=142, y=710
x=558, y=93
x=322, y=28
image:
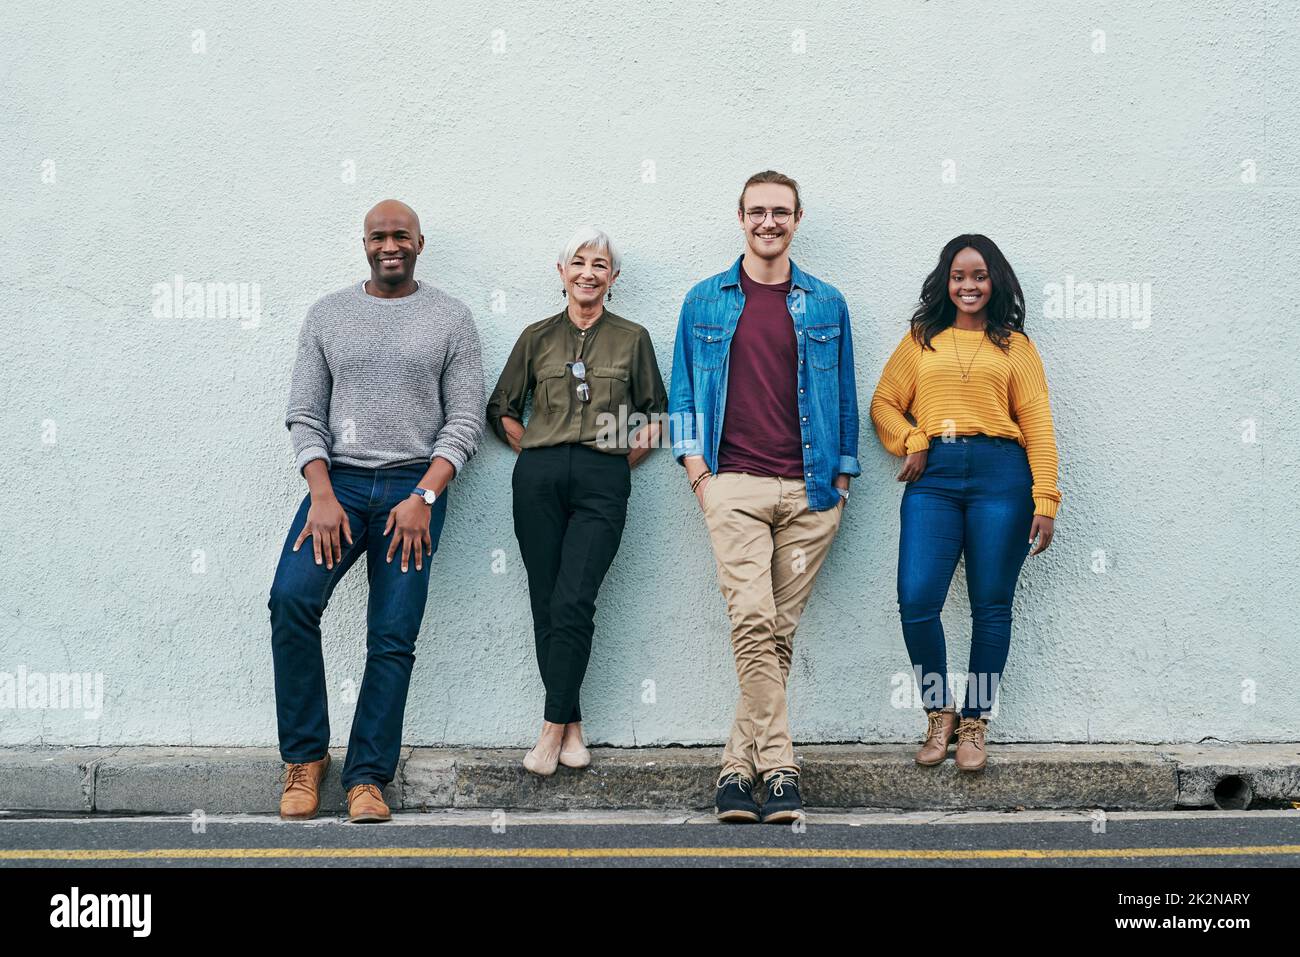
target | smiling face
x=969, y=286
x=392, y=241
x=587, y=276
x=767, y=238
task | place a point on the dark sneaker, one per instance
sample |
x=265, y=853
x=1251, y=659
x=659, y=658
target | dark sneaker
x=783, y=803
x=735, y=799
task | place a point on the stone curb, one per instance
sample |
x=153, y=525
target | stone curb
x=157, y=780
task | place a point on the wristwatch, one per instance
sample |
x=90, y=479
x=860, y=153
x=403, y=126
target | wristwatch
x=844, y=493
x=428, y=494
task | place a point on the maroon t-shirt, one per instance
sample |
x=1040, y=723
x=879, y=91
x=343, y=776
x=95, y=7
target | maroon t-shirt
x=760, y=426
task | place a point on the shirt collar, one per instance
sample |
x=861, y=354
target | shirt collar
x=569, y=324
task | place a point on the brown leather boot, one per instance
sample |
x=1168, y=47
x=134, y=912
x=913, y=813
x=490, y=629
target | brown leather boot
x=970, y=744
x=366, y=805
x=301, y=798
x=939, y=734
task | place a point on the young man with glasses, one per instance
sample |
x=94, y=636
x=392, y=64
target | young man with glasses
x=763, y=414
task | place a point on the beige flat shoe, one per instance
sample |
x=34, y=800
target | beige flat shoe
x=539, y=766
x=580, y=757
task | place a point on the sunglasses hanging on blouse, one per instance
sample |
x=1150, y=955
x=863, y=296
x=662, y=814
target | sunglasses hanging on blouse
x=579, y=370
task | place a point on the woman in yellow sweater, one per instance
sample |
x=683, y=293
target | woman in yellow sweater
x=980, y=469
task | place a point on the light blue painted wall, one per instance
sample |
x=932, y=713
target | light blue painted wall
x=227, y=165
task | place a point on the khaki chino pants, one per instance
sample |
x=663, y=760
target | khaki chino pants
x=768, y=546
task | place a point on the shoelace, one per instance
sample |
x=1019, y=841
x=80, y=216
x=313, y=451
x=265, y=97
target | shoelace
x=972, y=731
x=936, y=719
x=777, y=782
x=735, y=777
x=372, y=790
x=296, y=776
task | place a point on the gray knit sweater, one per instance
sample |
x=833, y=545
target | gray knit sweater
x=385, y=382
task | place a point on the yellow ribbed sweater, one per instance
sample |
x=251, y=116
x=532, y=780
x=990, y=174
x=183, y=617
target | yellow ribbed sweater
x=1006, y=395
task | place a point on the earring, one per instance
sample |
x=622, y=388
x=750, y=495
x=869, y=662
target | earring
x=609, y=296
x=564, y=292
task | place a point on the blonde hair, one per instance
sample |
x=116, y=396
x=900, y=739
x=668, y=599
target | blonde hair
x=769, y=176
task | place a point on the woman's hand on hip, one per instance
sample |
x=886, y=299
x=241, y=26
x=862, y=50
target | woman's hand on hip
x=913, y=466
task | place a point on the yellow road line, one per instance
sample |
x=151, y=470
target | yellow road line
x=580, y=853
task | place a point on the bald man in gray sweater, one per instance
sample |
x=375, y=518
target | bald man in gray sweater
x=385, y=408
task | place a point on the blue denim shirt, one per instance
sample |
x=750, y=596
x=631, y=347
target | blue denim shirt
x=828, y=392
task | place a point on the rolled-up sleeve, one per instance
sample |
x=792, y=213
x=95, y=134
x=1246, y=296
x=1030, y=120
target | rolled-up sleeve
x=849, y=424
x=648, y=394
x=681, y=393
x=512, y=388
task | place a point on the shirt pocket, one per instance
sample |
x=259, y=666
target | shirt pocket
x=550, y=393
x=824, y=346
x=609, y=388
x=710, y=346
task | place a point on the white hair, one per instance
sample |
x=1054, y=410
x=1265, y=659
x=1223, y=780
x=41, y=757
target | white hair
x=590, y=236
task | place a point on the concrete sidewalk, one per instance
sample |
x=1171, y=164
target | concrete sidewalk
x=152, y=780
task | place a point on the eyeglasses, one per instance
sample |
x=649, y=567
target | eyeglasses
x=779, y=216
x=579, y=371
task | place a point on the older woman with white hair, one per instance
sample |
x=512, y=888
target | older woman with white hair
x=597, y=398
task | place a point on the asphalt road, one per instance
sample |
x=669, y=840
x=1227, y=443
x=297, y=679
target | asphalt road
x=1243, y=839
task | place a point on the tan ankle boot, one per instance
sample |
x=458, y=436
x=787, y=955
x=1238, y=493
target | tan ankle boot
x=301, y=798
x=366, y=804
x=970, y=744
x=938, y=735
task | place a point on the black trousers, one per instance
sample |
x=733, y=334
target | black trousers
x=570, y=504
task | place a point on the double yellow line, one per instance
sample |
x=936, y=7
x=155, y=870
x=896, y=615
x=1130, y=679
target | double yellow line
x=606, y=853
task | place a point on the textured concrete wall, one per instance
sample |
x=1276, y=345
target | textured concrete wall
x=146, y=479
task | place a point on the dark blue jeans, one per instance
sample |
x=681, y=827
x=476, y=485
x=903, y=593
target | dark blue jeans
x=393, y=613
x=974, y=498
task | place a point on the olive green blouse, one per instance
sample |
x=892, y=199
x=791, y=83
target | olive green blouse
x=621, y=372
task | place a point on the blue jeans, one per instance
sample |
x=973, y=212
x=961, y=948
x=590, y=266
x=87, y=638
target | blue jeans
x=393, y=613
x=973, y=498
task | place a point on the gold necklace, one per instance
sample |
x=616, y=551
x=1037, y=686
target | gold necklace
x=965, y=375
